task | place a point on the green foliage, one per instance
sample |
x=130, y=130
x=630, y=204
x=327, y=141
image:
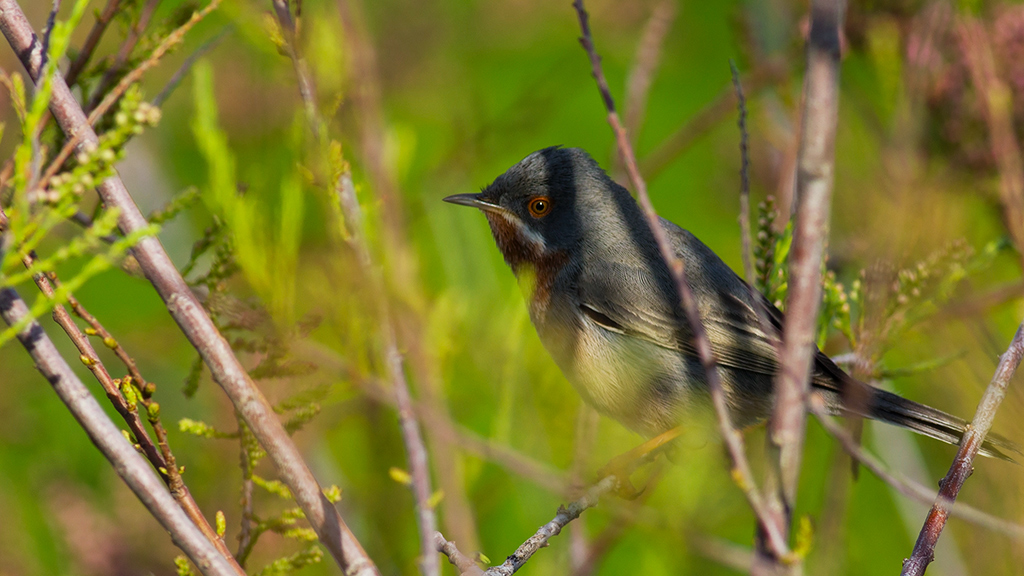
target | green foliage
x=284, y=566
x=902, y=297
x=38, y=208
x=771, y=253
x=267, y=258
x=202, y=429
x=182, y=566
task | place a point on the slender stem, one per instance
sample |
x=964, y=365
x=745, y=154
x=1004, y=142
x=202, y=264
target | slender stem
x=517, y=559
x=186, y=310
x=415, y=449
x=996, y=100
x=128, y=464
x=465, y=564
x=307, y=88
x=745, y=241
x=159, y=455
x=648, y=55
x=732, y=437
x=92, y=41
x=700, y=124
x=963, y=463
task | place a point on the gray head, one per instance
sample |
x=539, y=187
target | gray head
x=553, y=201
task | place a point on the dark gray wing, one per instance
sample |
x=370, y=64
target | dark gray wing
x=642, y=302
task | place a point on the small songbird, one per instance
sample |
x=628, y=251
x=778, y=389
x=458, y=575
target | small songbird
x=605, y=307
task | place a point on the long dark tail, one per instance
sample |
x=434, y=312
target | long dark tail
x=928, y=421
x=844, y=393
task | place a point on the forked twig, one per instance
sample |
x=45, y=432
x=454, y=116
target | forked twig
x=128, y=463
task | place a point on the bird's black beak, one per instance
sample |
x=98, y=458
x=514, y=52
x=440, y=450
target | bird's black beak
x=472, y=200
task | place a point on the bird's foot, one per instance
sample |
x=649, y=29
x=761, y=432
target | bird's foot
x=623, y=465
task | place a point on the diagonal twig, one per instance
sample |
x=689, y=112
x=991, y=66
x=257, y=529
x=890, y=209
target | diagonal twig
x=963, y=463
x=517, y=559
x=648, y=55
x=766, y=74
x=996, y=101
x=123, y=53
x=417, y=452
x=732, y=437
x=92, y=41
x=187, y=65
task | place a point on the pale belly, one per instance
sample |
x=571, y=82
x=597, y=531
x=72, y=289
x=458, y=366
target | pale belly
x=645, y=387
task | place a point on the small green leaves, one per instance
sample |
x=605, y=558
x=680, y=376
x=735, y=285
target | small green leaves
x=400, y=476
x=275, y=487
x=221, y=523
x=128, y=391
x=435, y=499
x=284, y=566
x=202, y=429
x=182, y=567
x=333, y=493
x=153, y=412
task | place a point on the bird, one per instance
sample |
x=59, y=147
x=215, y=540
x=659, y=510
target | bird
x=605, y=307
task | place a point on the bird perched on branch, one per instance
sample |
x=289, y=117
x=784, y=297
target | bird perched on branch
x=605, y=307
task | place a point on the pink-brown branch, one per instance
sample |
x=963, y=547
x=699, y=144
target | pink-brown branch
x=816, y=166
x=963, y=464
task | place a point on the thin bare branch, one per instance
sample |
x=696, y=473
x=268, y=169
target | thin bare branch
x=123, y=53
x=160, y=456
x=186, y=310
x=963, y=464
x=762, y=76
x=565, y=515
x=307, y=88
x=641, y=76
x=417, y=453
x=512, y=460
x=187, y=65
x=92, y=41
x=732, y=438
x=465, y=565
x=814, y=191
x=128, y=463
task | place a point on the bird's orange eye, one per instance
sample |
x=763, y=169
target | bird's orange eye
x=540, y=206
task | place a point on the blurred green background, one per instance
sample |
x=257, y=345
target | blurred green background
x=466, y=89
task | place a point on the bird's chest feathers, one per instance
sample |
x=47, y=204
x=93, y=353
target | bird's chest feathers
x=534, y=265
